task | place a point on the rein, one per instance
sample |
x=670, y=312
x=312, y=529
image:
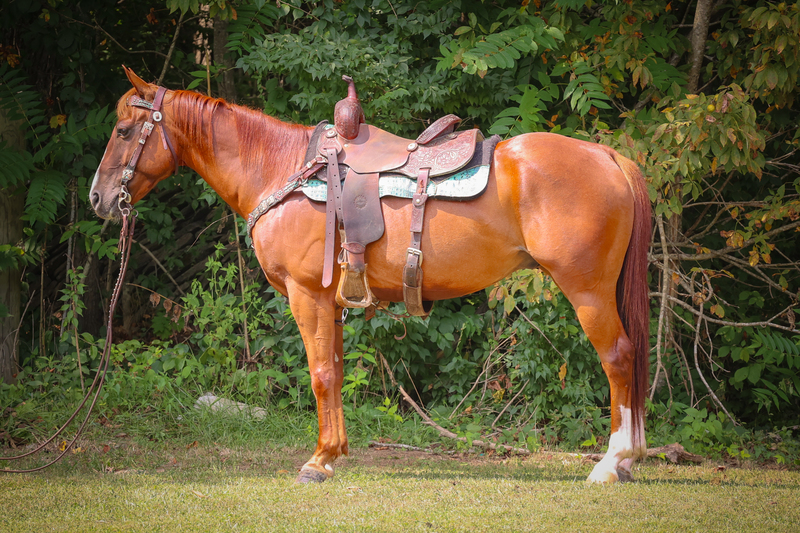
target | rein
x=125, y=243
x=126, y=240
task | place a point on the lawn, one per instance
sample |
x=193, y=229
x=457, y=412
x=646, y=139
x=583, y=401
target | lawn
x=125, y=486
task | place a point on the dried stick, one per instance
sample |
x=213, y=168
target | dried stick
x=674, y=453
x=723, y=251
x=442, y=431
x=662, y=313
x=376, y=444
x=474, y=385
x=510, y=402
x=171, y=49
x=162, y=267
x=249, y=359
x=697, y=364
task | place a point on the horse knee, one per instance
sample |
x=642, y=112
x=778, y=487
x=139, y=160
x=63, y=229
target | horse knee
x=325, y=381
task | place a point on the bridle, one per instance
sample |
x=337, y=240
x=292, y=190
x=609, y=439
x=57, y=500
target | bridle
x=154, y=118
x=125, y=242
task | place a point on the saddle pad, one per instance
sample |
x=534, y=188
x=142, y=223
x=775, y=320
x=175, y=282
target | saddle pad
x=463, y=185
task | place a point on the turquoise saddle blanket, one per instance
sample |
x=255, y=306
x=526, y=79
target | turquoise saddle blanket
x=463, y=185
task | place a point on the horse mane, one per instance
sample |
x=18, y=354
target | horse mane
x=264, y=141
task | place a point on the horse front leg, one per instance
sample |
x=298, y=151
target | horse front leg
x=316, y=314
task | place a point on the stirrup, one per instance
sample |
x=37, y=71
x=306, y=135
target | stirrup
x=353, y=290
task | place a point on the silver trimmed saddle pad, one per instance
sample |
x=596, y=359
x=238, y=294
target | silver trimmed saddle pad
x=464, y=185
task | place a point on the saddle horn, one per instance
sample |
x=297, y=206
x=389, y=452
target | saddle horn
x=348, y=114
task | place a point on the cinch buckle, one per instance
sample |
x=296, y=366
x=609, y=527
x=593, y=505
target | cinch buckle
x=418, y=253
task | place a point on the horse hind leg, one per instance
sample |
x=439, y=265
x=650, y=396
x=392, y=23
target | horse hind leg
x=600, y=320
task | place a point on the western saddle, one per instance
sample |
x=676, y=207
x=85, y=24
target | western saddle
x=356, y=154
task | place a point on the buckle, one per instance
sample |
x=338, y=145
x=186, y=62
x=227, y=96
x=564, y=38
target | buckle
x=414, y=251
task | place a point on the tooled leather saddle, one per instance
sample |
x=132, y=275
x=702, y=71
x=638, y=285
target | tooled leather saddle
x=357, y=154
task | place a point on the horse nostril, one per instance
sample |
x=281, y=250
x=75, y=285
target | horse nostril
x=95, y=198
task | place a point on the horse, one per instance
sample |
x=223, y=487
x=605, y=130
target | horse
x=577, y=210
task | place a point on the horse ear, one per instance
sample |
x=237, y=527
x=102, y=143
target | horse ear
x=145, y=90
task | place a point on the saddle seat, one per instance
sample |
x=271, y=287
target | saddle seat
x=375, y=151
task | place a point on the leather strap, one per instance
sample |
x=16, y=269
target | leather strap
x=334, y=209
x=154, y=118
x=444, y=125
x=412, y=272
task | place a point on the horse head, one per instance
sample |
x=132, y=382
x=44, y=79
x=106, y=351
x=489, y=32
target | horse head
x=131, y=167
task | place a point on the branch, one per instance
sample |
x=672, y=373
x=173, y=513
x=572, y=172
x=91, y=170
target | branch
x=376, y=444
x=674, y=453
x=767, y=323
x=171, y=49
x=663, y=308
x=717, y=253
x=162, y=267
x=697, y=364
x=444, y=432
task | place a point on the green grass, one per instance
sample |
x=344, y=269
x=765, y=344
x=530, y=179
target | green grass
x=196, y=471
x=163, y=487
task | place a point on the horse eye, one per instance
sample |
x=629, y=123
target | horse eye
x=123, y=132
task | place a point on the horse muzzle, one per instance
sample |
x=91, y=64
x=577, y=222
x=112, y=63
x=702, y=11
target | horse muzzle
x=106, y=206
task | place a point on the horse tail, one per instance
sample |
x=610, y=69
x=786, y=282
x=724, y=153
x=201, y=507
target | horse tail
x=633, y=301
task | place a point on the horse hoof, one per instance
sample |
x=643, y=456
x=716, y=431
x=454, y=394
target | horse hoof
x=624, y=475
x=603, y=477
x=310, y=475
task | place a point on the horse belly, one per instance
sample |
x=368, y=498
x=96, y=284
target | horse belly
x=466, y=247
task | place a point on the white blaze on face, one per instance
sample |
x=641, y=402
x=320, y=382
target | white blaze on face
x=97, y=173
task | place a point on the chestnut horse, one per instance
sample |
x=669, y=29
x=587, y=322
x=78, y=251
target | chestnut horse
x=577, y=210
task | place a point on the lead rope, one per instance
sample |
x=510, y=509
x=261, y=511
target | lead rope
x=126, y=240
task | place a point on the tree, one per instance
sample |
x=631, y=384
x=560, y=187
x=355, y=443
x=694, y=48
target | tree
x=11, y=139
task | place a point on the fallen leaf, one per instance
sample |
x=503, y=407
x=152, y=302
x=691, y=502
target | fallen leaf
x=193, y=445
x=199, y=494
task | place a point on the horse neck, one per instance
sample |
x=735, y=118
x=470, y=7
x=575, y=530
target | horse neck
x=241, y=153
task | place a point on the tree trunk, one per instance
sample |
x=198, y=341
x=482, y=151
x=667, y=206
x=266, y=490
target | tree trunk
x=10, y=233
x=226, y=86
x=698, y=37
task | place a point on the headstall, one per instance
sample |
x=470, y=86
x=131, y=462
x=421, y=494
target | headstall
x=155, y=117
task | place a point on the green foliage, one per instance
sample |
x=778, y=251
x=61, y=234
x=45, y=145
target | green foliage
x=766, y=364
x=584, y=90
x=477, y=51
x=22, y=104
x=15, y=167
x=510, y=363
